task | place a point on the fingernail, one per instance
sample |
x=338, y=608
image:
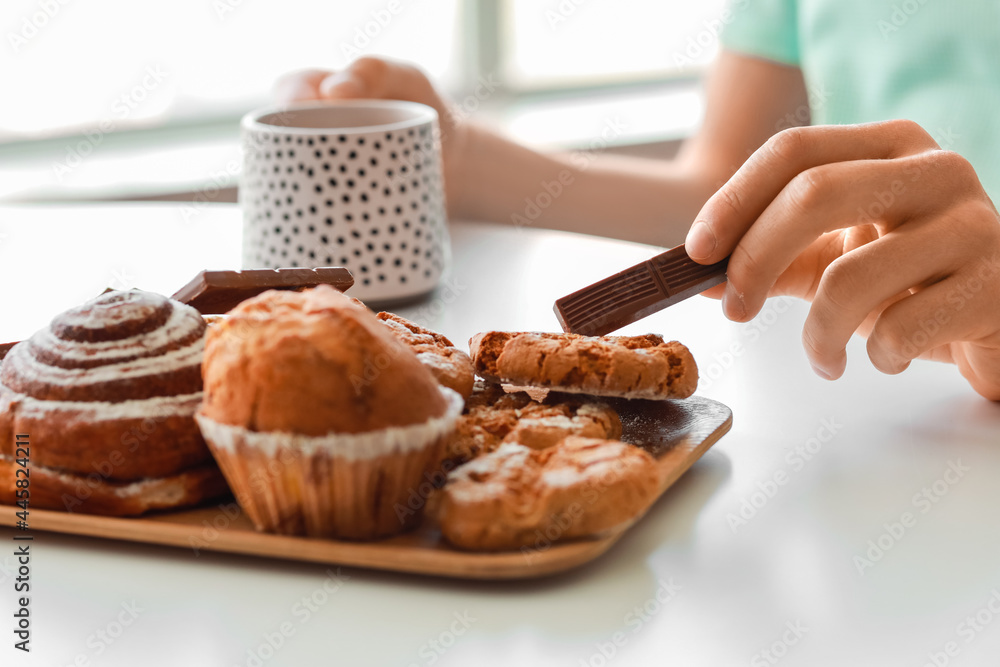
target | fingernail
x=299, y=93
x=339, y=85
x=821, y=372
x=733, y=305
x=700, y=241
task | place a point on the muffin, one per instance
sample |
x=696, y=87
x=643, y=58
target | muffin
x=321, y=420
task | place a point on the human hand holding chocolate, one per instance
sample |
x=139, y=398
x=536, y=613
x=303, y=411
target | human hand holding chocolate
x=887, y=234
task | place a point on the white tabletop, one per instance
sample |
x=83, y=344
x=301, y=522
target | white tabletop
x=822, y=472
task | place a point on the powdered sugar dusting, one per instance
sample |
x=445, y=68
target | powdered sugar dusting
x=488, y=476
x=112, y=308
x=563, y=476
x=435, y=360
x=561, y=422
x=575, y=462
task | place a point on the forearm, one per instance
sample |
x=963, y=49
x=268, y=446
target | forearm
x=649, y=201
x=640, y=200
x=488, y=177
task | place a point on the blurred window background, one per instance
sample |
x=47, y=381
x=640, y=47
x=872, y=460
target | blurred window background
x=123, y=72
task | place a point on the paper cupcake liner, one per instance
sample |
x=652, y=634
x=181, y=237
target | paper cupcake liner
x=350, y=486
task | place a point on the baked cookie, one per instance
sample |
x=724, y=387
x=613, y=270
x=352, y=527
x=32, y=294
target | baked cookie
x=493, y=417
x=622, y=366
x=518, y=497
x=492, y=394
x=449, y=365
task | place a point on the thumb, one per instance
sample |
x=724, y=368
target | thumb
x=342, y=85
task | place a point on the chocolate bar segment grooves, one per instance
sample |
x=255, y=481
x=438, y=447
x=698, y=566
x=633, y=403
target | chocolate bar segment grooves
x=636, y=292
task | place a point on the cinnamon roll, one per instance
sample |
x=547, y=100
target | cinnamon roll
x=107, y=394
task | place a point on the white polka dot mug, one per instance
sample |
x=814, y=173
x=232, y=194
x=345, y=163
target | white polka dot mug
x=354, y=184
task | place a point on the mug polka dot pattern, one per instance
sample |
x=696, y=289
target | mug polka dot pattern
x=370, y=201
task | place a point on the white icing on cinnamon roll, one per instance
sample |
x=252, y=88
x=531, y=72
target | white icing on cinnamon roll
x=121, y=346
x=109, y=389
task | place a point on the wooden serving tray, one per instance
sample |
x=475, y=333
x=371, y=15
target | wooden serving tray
x=677, y=433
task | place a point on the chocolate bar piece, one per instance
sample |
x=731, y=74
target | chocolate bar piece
x=217, y=292
x=637, y=292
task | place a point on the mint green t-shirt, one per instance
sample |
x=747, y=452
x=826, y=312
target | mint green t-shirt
x=936, y=62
